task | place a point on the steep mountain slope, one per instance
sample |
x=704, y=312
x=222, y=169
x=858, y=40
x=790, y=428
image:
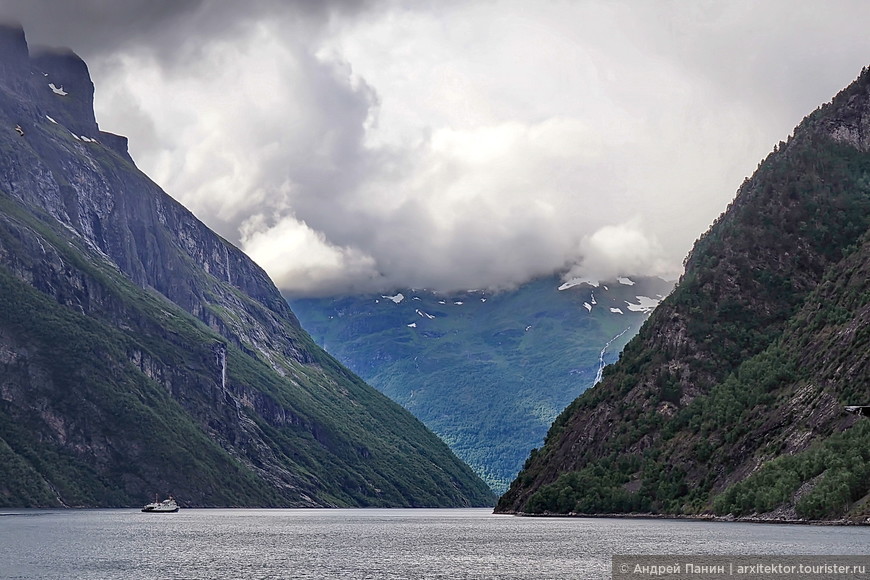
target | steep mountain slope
x=140, y=353
x=730, y=399
x=487, y=372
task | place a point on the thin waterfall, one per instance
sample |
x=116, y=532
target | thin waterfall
x=601, y=356
x=220, y=353
x=224, y=369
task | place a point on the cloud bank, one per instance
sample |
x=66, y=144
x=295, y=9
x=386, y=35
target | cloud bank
x=367, y=146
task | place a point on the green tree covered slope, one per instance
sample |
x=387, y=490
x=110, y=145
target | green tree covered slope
x=731, y=398
x=488, y=372
x=140, y=353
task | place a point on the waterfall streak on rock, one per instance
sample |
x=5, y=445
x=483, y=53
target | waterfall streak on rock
x=601, y=356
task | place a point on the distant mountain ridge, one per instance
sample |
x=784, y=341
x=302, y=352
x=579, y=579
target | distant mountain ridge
x=488, y=372
x=140, y=353
x=731, y=398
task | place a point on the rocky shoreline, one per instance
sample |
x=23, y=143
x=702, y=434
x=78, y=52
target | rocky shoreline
x=754, y=519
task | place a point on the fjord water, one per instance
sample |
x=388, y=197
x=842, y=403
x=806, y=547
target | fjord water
x=371, y=544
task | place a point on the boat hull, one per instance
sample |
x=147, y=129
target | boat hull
x=148, y=510
x=167, y=506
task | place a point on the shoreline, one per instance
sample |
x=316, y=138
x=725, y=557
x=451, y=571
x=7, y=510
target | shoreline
x=701, y=518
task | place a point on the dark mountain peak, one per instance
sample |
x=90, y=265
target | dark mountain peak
x=63, y=80
x=847, y=118
x=13, y=45
x=14, y=56
x=49, y=85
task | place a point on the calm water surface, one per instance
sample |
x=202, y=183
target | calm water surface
x=370, y=544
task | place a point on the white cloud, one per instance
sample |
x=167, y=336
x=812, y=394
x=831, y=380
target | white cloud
x=290, y=250
x=615, y=250
x=457, y=145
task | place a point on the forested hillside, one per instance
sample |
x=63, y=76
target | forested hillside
x=731, y=398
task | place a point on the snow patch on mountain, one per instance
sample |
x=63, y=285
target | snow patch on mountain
x=57, y=90
x=644, y=304
x=425, y=314
x=396, y=299
x=625, y=281
x=617, y=311
x=587, y=306
x=577, y=281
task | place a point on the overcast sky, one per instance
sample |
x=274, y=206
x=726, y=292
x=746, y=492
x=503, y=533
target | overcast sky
x=368, y=146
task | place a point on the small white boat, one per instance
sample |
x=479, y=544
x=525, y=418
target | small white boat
x=167, y=506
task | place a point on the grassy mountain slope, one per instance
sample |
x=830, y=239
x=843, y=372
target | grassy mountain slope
x=140, y=353
x=487, y=372
x=730, y=399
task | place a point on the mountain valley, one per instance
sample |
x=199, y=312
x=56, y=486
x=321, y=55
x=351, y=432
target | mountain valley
x=487, y=371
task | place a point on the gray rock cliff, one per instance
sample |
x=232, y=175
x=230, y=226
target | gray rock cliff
x=118, y=299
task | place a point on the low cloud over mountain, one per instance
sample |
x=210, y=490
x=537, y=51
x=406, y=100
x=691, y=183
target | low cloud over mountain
x=370, y=145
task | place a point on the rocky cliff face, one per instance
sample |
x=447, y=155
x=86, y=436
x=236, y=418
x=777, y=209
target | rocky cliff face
x=62, y=166
x=735, y=388
x=142, y=353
